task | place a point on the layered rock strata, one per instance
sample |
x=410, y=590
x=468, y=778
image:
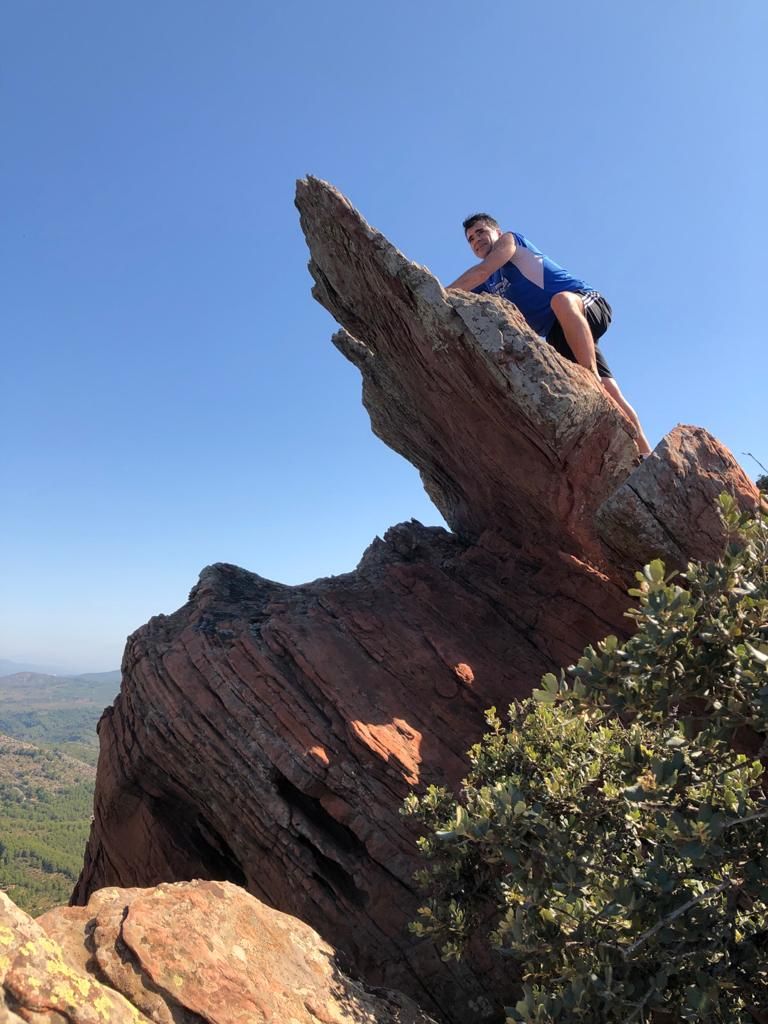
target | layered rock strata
x=266, y=735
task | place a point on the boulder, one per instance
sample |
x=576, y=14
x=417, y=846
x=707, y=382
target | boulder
x=40, y=985
x=189, y=953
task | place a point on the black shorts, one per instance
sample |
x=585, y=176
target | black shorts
x=598, y=314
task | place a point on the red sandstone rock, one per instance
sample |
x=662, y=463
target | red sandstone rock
x=267, y=734
x=39, y=986
x=190, y=953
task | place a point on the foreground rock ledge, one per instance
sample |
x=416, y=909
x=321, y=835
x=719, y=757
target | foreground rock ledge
x=266, y=735
x=191, y=953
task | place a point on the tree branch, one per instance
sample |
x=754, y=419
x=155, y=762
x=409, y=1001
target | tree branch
x=675, y=914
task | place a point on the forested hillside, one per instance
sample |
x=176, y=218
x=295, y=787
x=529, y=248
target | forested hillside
x=45, y=810
x=48, y=751
x=59, y=712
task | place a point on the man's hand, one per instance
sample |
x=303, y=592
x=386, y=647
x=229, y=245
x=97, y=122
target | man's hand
x=503, y=250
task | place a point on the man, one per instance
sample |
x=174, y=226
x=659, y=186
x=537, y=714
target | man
x=564, y=310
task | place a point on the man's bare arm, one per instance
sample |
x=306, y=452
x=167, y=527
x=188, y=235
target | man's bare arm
x=502, y=251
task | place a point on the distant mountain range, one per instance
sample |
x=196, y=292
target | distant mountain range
x=58, y=712
x=9, y=668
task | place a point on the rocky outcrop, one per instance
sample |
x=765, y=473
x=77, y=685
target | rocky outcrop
x=39, y=985
x=508, y=437
x=266, y=735
x=190, y=953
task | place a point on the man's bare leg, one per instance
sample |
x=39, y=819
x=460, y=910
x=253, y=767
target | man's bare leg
x=612, y=389
x=568, y=307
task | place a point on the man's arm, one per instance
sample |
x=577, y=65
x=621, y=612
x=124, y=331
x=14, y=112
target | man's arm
x=502, y=251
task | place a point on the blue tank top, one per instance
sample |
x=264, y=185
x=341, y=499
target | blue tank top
x=529, y=280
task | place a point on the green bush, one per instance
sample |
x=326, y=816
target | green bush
x=614, y=830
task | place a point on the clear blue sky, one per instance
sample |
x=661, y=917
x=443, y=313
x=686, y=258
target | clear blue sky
x=169, y=394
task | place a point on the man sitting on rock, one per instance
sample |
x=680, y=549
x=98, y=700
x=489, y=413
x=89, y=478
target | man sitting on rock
x=564, y=310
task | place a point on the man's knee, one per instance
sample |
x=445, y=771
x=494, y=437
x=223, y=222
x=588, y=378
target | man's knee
x=566, y=304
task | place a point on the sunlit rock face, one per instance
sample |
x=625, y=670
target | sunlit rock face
x=266, y=735
x=188, y=953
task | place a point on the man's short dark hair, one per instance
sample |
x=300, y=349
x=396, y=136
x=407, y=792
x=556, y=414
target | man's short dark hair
x=478, y=217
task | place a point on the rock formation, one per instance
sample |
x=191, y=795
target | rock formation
x=189, y=953
x=266, y=735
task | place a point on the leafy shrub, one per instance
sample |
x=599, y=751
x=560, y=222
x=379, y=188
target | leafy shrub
x=615, y=828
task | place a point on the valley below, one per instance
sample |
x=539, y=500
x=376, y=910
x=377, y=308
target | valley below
x=48, y=753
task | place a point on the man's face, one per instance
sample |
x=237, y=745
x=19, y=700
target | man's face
x=482, y=238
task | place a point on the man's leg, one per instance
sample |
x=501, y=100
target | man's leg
x=612, y=388
x=579, y=335
x=568, y=307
